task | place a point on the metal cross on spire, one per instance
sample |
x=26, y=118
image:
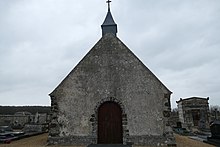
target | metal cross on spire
x=108, y=1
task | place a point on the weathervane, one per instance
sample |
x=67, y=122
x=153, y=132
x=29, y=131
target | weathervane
x=108, y=1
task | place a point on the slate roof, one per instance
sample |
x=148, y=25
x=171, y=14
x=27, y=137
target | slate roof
x=108, y=20
x=109, y=25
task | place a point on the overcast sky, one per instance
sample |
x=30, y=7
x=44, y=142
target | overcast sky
x=42, y=40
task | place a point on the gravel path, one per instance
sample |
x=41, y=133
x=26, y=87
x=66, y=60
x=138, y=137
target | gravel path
x=184, y=141
x=41, y=141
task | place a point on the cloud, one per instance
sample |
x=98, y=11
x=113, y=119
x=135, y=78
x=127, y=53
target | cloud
x=41, y=41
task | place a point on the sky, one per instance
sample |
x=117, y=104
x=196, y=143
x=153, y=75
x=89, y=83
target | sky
x=41, y=41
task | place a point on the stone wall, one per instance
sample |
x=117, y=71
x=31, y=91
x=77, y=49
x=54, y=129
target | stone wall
x=110, y=72
x=18, y=121
x=14, y=120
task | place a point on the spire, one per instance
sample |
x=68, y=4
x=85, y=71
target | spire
x=109, y=26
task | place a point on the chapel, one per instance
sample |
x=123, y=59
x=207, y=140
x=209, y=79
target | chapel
x=110, y=97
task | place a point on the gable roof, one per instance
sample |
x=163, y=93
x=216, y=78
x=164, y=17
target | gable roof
x=109, y=54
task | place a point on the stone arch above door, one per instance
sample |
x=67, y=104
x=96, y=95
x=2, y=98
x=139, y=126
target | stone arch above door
x=110, y=99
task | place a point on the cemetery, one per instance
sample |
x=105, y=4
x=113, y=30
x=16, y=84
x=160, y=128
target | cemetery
x=112, y=99
x=22, y=125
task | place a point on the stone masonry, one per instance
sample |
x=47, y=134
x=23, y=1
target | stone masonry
x=110, y=72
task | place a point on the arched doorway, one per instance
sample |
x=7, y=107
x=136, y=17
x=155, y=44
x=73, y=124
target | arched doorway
x=110, y=123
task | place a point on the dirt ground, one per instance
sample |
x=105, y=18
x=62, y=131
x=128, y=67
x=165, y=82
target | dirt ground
x=41, y=141
x=184, y=141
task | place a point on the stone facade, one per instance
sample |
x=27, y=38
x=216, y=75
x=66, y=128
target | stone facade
x=194, y=112
x=110, y=72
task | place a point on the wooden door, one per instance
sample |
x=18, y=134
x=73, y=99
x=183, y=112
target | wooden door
x=109, y=123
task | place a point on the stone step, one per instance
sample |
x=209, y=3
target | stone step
x=108, y=145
